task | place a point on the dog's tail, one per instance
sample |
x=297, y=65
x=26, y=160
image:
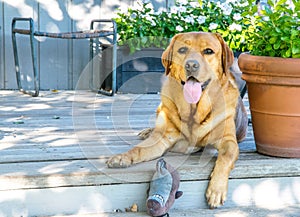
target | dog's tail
x=241, y=121
x=237, y=74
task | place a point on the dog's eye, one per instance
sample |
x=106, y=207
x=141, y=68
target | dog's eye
x=208, y=51
x=182, y=50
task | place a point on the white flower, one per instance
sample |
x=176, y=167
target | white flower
x=150, y=6
x=174, y=10
x=226, y=8
x=201, y=19
x=181, y=9
x=298, y=28
x=138, y=6
x=183, y=2
x=153, y=23
x=213, y=26
x=133, y=15
x=194, y=4
x=237, y=16
x=149, y=18
x=189, y=19
x=235, y=26
x=179, y=28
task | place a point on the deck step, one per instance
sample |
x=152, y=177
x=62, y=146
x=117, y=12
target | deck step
x=267, y=193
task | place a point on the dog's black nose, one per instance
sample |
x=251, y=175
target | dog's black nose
x=192, y=66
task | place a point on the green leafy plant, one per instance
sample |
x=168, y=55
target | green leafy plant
x=270, y=31
x=275, y=30
x=143, y=27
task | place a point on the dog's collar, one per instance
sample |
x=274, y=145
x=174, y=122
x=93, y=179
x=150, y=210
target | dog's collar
x=203, y=86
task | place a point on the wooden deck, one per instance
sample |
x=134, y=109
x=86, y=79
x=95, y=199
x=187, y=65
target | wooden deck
x=53, y=150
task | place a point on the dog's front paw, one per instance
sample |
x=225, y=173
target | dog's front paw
x=216, y=194
x=119, y=161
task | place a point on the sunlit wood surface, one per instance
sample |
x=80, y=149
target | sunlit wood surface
x=53, y=150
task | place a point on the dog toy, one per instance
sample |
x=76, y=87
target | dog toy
x=163, y=189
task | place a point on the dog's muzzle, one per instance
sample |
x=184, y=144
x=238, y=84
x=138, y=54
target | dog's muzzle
x=191, y=67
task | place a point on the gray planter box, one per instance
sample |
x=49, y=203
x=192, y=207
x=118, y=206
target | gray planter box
x=140, y=72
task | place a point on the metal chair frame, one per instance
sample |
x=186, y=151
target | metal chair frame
x=91, y=34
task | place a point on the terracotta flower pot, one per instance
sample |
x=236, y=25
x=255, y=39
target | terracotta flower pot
x=274, y=96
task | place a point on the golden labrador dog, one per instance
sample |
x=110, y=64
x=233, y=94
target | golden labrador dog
x=200, y=105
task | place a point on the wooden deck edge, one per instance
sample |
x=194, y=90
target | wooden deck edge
x=73, y=173
x=267, y=193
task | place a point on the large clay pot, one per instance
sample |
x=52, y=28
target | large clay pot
x=274, y=95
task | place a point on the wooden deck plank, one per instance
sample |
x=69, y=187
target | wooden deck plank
x=78, y=172
x=271, y=195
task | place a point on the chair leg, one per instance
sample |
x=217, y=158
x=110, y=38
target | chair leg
x=16, y=57
x=35, y=91
x=36, y=79
x=113, y=62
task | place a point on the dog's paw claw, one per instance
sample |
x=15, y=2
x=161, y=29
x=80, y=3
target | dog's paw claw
x=215, y=197
x=118, y=161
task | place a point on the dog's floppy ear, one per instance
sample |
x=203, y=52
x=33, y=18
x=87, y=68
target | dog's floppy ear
x=166, y=57
x=227, y=54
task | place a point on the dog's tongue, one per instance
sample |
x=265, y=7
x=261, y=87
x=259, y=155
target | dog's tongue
x=192, y=91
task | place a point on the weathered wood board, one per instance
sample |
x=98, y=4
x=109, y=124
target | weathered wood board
x=53, y=150
x=272, y=195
